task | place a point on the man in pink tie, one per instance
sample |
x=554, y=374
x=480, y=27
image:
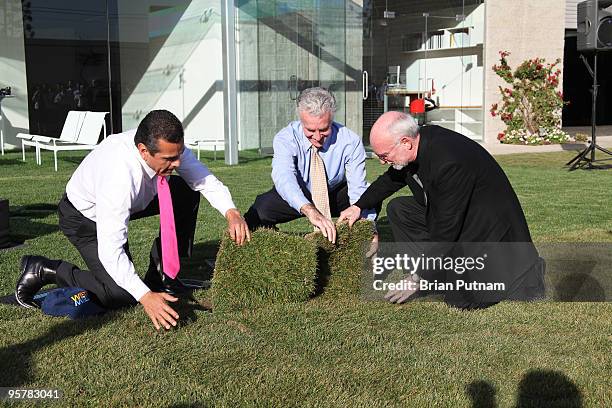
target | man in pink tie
x=130, y=176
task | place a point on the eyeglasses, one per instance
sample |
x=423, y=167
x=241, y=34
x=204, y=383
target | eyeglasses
x=385, y=156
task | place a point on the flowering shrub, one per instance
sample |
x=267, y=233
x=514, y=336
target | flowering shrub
x=531, y=105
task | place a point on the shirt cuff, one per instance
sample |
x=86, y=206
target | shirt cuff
x=224, y=207
x=298, y=204
x=137, y=288
x=369, y=214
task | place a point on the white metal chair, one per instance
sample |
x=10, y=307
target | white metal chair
x=70, y=132
x=199, y=144
x=87, y=137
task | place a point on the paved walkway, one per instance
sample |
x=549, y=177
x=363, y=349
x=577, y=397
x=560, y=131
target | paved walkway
x=604, y=139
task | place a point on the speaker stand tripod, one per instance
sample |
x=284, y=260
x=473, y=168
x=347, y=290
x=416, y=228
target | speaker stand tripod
x=582, y=160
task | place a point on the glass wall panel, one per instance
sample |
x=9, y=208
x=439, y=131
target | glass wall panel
x=332, y=61
x=354, y=57
x=247, y=50
x=168, y=55
x=432, y=51
x=66, y=53
x=285, y=47
x=285, y=33
x=14, y=109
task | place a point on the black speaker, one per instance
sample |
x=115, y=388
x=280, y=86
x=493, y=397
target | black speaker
x=594, y=25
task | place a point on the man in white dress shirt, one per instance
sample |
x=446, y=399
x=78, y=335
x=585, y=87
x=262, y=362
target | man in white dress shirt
x=116, y=183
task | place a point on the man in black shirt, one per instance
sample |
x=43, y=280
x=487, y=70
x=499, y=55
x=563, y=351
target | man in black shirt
x=460, y=194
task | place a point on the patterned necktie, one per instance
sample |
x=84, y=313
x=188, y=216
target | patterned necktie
x=420, y=183
x=318, y=183
x=169, y=248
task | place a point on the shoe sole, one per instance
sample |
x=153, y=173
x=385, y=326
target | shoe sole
x=27, y=306
x=24, y=265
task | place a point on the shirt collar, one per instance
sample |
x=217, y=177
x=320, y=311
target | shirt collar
x=148, y=171
x=422, y=149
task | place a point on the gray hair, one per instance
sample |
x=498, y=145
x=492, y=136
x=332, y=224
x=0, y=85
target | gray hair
x=403, y=126
x=316, y=101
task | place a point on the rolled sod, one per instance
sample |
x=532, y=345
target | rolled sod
x=276, y=267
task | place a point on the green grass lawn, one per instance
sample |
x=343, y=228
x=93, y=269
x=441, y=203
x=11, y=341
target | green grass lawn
x=322, y=352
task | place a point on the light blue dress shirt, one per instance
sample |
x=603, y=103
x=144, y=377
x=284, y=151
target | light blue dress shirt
x=342, y=153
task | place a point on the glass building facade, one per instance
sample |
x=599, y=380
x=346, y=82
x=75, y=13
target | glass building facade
x=231, y=71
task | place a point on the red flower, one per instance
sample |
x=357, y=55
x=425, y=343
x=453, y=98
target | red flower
x=493, y=109
x=500, y=136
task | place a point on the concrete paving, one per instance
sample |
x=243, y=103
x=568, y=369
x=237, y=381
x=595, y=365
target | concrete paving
x=603, y=135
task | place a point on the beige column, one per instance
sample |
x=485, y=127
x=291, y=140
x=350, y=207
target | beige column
x=525, y=28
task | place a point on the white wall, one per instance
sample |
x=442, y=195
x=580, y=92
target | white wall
x=13, y=72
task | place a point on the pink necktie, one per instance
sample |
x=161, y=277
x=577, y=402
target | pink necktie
x=170, y=258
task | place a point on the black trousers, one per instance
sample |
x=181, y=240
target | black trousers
x=409, y=225
x=407, y=220
x=270, y=208
x=81, y=232
x=517, y=264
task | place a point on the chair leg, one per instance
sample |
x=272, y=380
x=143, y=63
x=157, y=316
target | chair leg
x=55, y=158
x=38, y=155
x=215, y=153
x=22, y=151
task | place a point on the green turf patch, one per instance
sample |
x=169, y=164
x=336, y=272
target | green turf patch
x=341, y=265
x=277, y=267
x=274, y=267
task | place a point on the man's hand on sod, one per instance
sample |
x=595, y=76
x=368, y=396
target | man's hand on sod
x=326, y=226
x=237, y=227
x=352, y=214
x=156, y=307
x=401, y=296
x=373, y=246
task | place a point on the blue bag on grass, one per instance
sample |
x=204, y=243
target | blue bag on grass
x=75, y=303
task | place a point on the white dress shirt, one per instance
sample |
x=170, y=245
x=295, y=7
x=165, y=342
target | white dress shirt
x=113, y=182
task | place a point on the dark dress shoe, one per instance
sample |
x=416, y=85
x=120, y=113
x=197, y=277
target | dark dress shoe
x=36, y=272
x=158, y=281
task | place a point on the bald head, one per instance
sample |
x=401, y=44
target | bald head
x=395, y=138
x=392, y=126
